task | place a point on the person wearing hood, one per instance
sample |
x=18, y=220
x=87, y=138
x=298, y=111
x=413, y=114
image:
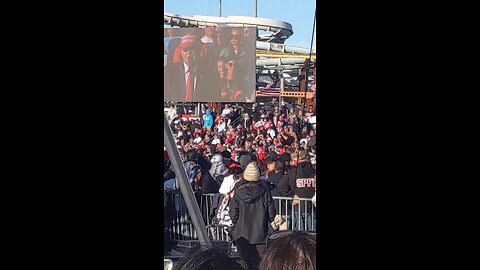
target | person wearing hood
x=191, y=161
x=208, y=119
x=218, y=168
x=300, y=182
x=226, y=155
x=252, y=210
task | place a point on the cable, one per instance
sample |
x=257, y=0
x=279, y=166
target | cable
x=304, y=99
x=309, y=59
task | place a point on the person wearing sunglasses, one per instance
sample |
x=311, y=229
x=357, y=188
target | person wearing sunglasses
x=236, y=44
x=231, y=89
x=290, y=250
x=187, y=79
x=243, y=50
x=221, y=39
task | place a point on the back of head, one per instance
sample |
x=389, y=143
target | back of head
x=169, y=174
x=251, y=173
x=194, y=171
x=280, y=165
x=235, y=170
x=244, y=159
x=191, y=154
x=217, y=158
x=294, y=251
x=303, y=156
x=216, y=257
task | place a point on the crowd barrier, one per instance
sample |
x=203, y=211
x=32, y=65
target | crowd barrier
x=299, y=215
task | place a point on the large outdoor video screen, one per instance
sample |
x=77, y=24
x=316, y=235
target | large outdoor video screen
x=212, y=64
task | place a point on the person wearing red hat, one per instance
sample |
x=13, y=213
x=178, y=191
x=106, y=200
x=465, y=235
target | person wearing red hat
x=186, y=80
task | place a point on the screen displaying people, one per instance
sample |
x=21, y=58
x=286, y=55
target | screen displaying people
x=211, y=64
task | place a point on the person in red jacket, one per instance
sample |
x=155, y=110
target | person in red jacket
x=261, y=153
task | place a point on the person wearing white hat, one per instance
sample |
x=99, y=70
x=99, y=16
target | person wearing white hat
x=252, y=210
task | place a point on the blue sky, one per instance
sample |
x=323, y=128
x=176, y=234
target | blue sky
x=299, y=13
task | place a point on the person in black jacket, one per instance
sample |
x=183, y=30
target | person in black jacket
x=275, y=177
x=299, y=182
x=187, y=78
x=252, y=210
x=202, y=183
x=246, y=122
x=283, y=207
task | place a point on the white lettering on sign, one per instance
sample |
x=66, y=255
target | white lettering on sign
x=305, y=182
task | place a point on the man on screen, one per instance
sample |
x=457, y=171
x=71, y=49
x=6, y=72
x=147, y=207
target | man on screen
x=185, y=79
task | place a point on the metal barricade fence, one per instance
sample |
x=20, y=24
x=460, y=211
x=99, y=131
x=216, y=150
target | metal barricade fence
x=295, y=216
x=301, y=215
x=181, y=227
x=219, y=232
x=206, y=203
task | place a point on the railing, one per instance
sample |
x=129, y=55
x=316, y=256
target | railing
x=297, y=94
x=301, y=216
x=181, y=226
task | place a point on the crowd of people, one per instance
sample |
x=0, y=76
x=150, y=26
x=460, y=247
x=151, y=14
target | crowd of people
x=209, y=64
x=246, y=157
x=274, y=131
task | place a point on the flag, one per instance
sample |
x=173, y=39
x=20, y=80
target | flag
x=269, y=92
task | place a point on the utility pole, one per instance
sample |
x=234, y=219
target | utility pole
x=282, y=88
x=220, y=8
x=256, y=29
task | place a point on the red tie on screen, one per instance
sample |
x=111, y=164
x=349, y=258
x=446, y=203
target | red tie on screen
x=188, y=95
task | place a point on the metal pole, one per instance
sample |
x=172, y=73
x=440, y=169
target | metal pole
x=256, y=28
x=282, y=88
x=220, y=8
x=184, y=185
